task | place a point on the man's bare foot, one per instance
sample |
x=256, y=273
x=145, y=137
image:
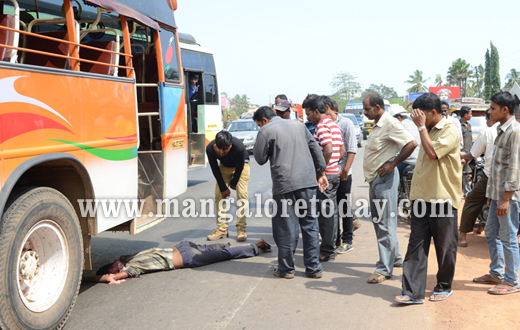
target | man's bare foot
x=462, y=240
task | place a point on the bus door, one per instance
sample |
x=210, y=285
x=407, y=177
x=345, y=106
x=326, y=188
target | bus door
x=194, y=98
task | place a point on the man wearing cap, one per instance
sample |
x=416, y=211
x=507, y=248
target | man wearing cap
x=283, y=109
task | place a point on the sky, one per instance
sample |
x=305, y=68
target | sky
x=265, y=48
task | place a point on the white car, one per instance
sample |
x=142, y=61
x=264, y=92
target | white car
x=245, y=130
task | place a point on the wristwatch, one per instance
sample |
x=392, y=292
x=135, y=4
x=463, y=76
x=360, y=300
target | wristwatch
x=421, y=128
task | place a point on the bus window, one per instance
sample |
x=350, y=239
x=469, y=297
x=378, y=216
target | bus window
x=210, y=89
x=208, y=64
x=191, y=60
x=169, y=53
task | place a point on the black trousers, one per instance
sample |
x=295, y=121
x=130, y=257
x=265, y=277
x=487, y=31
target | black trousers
x=345, y=186
x=475, y=200
x=440, y=222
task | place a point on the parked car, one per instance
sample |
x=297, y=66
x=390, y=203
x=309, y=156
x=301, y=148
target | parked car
x=353, y=119
x=245, y=130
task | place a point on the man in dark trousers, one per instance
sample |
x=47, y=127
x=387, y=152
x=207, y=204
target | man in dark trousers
x=436, y=196
x=233, y=171
x=186, y=254
x=297, y=169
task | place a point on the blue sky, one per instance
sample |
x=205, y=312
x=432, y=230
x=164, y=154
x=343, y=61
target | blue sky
x=264, y=48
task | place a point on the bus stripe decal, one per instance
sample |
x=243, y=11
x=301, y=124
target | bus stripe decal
x=14, y=124
x=107, y=154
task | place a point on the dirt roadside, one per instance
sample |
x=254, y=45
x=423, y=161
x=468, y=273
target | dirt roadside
x=471, y=306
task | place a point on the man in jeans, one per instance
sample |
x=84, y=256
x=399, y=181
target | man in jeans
x=379, y=165
x=328, y=136
x=294, y=156
x=436, y=194
x=476, y=198
x=233, y=171
x=503, y=195
x=348, y=134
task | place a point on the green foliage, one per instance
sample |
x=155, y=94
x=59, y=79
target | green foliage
x=384, y=91
x=346, y=86
x=476, y=85
x=339, y=100
x=438, y=80
x=458, y=74
x=495, y=70
x=417, y=82
x=512, y=77
x=487, y=76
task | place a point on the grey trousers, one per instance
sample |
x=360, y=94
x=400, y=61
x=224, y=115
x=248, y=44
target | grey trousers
x=383, y=208
x=328, y=216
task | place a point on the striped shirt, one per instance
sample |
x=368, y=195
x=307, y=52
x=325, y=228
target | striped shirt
x=327, y=132
x=505, y=167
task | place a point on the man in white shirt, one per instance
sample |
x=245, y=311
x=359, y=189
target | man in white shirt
x=476, y=199
x=410, y=126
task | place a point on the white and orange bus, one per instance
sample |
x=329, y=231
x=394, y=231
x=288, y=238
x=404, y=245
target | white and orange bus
x=92, y=106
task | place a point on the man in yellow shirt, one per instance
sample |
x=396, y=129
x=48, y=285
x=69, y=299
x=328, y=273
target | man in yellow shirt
x=436, y=195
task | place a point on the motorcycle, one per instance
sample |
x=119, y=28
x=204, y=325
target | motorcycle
x=403, y=192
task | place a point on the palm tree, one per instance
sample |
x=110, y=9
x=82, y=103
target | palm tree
x=478, y=83
x=458, y=74
x=438, y=80
x=512, y=77
x=417, y=82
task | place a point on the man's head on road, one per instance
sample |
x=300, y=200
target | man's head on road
x=280, y=97
x=430, y=105
x=223, y=143
x=489, y=121
x=194, y=79
x=503, y=106
x=373, y=106
x=465, y=113
x=283, y=109
x=263, y=115
x=314, y=109
x=445, y=108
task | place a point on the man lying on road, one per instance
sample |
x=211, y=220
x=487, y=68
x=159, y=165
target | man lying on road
x=184, y=255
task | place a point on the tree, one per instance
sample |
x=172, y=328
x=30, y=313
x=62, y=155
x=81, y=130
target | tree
x=475, y=89
x=417, y=82
x=240, y=104
x=346, y=86
x=487, y=76
x=438, y=80
x=492, y=72
x=458, y=74
x=384, y=91
x=512, y=77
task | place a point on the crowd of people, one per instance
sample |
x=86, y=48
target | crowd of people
x=306, y=167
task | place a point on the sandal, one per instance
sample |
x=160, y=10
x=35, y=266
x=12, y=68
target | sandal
x=486, y=279
x=377, y=278
x=409, y=300
x=503, y=288
x=435, y=294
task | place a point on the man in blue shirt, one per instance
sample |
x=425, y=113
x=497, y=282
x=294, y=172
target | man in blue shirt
x=194, y=88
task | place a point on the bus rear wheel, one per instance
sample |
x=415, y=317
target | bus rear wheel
x=41, y=261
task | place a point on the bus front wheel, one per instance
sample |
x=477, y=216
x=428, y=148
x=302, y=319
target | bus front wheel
x=41, y=260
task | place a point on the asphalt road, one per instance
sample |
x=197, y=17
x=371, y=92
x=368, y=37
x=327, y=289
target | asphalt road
x=243, y=294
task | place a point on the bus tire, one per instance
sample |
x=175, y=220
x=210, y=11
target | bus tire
x=41, y=260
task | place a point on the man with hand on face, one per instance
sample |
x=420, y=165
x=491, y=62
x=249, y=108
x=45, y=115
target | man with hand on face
x=503, y=193
x=297, y=171
x=436, y=195
x=233, y=171
x=379, y=165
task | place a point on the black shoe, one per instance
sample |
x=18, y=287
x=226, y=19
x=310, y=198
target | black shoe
x=315, y=275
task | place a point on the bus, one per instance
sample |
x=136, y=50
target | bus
x=92, y=108
x=203, y=111
x=355, y=108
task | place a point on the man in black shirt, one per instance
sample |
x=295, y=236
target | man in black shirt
x=233, y=171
